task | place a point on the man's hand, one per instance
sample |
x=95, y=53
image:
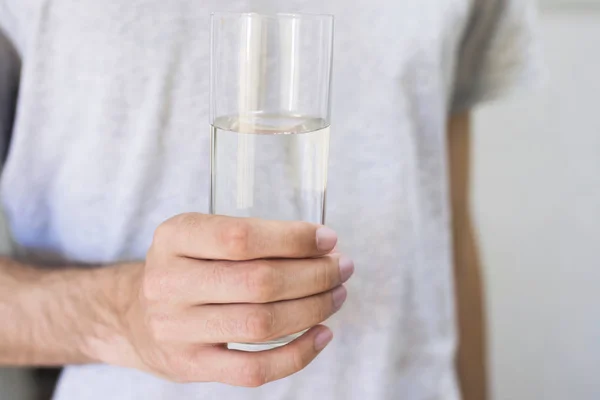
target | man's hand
x=209, y=280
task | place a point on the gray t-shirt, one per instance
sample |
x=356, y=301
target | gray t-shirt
x=110, y=137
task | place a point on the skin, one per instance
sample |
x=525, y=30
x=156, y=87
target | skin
x=471, y=356
x=209, y=280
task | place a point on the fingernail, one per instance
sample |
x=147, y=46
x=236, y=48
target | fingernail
x=346, y=268
x=326, y=239
x=339, y=297
x=322, y=339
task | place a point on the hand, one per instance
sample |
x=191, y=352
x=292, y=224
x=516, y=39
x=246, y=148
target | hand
x=210, y=280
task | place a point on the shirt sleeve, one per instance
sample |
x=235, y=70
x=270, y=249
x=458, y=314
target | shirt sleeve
x=10, y=66
x=499, y=52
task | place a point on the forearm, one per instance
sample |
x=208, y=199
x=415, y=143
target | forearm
x=471, y=357
x=57, y=317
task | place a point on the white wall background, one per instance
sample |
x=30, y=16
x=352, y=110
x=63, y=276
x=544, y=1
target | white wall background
x=537, y=194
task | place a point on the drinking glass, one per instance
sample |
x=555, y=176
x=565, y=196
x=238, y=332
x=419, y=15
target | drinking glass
x=270, y=117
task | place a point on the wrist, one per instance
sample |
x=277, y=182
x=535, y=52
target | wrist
x=116, y=292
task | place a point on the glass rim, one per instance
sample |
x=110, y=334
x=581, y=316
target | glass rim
x=276, y=15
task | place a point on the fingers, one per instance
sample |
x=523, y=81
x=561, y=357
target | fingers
x=249, y=369
x=248, y=323
x=257, y=281
x=226, y=238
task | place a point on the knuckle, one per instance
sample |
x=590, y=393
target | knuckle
x=323, y=310
x=322, y=278
x=188, y=224
x=163, y=233
x=182, y=223
x=260, y=324
x=221, y=327
x=187, y=221
x=251, y=374
x=319, y=308
x=260, y=280
x=235, y=238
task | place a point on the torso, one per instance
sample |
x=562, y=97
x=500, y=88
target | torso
x=112, y=138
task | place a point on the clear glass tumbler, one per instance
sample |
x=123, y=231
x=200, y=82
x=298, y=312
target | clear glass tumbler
x=270, y=118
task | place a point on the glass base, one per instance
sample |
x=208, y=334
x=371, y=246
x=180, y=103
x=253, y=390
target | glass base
x=273, y=344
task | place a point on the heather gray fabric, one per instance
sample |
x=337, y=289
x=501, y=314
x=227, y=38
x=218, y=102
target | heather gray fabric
x=111, y=138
